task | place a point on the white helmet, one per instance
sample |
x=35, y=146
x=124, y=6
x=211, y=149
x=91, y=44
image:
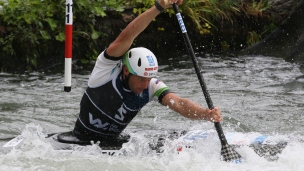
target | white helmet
x=141, y=61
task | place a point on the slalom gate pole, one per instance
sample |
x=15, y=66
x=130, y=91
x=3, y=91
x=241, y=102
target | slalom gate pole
x=68, y=46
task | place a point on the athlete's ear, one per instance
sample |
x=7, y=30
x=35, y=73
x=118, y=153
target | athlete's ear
x=125, y=71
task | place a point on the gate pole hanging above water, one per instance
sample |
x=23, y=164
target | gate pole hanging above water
x=68, y=45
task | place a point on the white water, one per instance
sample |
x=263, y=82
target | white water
x=259, y=94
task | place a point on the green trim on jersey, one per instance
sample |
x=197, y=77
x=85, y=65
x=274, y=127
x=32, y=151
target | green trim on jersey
x=160, y=91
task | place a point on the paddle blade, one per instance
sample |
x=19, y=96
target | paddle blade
x=230, y=155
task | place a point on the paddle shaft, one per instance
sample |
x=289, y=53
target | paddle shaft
x=198, y=72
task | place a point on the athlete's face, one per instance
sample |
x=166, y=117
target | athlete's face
x=137, y=83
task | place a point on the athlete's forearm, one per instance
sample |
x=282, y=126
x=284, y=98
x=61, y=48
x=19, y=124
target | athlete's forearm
x=184, y=106
x=191, y=110
x=127, y=36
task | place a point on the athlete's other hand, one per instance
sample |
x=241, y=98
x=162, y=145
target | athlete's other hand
x=168, y=3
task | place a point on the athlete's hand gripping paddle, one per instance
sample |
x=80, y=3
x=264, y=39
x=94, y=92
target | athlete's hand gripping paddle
x=227, y=152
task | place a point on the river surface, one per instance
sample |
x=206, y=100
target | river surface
x=256, y=95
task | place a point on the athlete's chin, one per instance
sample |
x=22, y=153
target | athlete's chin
x=138, y=91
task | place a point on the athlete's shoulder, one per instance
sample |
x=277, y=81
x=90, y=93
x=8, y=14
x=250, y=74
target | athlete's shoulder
x=107, y=59
x=156, y=81
x=112, y=58
x=157, y=86
x=105, y=70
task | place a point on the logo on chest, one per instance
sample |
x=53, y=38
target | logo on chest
x=121, y=113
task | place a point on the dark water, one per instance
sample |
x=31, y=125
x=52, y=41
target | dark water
x=256, y=94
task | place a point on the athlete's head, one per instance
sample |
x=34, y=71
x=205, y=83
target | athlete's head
x=140, y=65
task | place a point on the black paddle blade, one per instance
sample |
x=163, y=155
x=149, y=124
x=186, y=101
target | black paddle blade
x=230, y=155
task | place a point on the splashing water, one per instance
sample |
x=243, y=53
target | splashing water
x=256, y=95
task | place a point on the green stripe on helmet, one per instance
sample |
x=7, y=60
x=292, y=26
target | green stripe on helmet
x=126, y=62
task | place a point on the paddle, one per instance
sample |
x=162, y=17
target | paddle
x=227, y=152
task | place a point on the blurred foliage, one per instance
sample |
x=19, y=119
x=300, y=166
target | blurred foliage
x=32, y=32
x=216, y=17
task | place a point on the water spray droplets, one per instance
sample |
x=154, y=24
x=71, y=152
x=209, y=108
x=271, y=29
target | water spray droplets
x=172, y=101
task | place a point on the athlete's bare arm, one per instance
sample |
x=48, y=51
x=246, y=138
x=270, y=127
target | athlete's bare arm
x=125, y=39
x=190, y=109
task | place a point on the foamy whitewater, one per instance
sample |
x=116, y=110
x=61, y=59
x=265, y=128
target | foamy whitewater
x=257, y=96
